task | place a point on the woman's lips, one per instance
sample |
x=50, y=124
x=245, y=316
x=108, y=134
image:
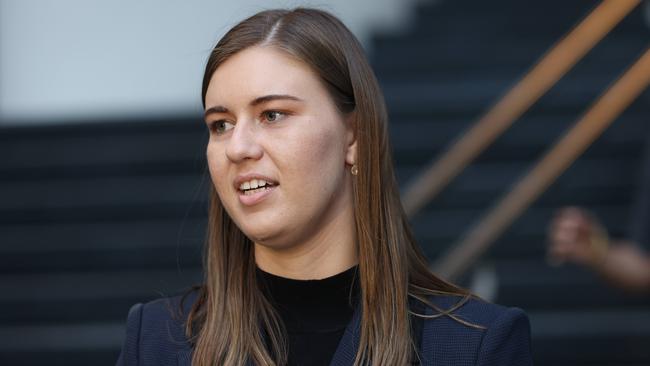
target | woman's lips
x=255, y=196
x=252, y=188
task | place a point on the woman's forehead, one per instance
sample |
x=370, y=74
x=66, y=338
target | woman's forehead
x=259, y=71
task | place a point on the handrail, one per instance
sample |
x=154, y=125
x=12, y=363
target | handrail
x=587, y=129
x=529, y=89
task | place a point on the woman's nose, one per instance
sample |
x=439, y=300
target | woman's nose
x=243, y=143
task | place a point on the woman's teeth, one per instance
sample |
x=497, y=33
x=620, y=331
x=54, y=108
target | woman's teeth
x=253, y=191
x=254, y=186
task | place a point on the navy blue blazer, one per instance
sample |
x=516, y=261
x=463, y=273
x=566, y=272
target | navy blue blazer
x=155, y=336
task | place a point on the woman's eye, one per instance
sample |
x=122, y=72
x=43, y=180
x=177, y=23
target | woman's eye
x=221, y=126
x=272, y=116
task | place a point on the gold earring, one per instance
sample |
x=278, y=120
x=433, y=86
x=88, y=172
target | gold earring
x=354, y=170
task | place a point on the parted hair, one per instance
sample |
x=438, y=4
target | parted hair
x=232, y=322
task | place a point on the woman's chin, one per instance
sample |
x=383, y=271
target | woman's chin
x=259, y=227
x=276, y=242
x=267, y=238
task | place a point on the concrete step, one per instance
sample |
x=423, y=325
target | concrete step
x=537, y=286
x=57, y=298
x=613, y=336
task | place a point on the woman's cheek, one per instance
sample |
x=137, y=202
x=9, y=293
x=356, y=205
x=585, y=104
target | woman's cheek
x=314, y=154
x=320, y=167
x=217, y=169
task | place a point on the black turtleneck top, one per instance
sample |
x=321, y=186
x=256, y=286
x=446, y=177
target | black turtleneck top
x=314, y=312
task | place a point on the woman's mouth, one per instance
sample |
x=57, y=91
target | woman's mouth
x=255, y=190
x=255, y=186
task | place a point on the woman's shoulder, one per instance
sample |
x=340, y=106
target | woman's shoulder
x=155, y=332
x=474, y=309
x=484, y=332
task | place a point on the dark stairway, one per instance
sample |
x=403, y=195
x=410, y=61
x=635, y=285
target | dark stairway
x=96, y=217
x=439, y=76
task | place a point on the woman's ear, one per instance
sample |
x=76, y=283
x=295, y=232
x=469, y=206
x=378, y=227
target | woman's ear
x=351, y=140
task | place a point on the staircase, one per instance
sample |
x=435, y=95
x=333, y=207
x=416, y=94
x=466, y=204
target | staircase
x=439, y=76
x=96, y=217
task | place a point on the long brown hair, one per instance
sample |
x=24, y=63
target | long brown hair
x=232, y=322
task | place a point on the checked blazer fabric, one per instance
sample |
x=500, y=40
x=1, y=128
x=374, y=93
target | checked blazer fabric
x=155, y=335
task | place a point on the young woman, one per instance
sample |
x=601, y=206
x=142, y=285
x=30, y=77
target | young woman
x=309, y=258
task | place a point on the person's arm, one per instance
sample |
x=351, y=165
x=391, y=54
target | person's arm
x=576, y=236
x=626, y=266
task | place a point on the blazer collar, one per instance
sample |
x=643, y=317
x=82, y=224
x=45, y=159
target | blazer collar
x=349, y=344
x=344, y=355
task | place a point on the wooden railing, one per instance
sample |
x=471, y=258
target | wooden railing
x=585, y=131
x=525, y=93
x=546, y=73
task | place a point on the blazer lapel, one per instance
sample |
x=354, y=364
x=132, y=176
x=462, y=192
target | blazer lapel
x=345, y=353
x=349, y=344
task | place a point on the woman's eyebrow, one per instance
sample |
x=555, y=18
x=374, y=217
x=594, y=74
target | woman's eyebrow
x=215, y=109
x=254, y=102
x=268, y=98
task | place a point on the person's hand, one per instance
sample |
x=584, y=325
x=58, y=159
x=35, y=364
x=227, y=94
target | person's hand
x=576, y=236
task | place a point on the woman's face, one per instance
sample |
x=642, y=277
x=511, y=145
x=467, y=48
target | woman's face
x=279, y=151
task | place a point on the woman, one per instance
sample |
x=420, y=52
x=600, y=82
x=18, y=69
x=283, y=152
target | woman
x=309, y=258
